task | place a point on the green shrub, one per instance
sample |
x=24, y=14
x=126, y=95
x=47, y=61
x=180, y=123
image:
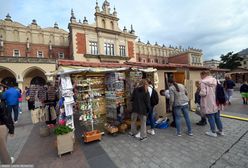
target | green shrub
x=61, y=130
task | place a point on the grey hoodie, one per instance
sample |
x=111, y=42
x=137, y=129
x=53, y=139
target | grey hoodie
x=178, y=98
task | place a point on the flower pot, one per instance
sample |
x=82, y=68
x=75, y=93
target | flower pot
x=65, y=143
x=92, y=136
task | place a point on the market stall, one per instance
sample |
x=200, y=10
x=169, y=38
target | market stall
x=101, y=95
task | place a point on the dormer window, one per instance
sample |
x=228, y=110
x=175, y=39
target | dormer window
x=40, y=54
x=112, y=25
x=16, y=53
x=103, y=24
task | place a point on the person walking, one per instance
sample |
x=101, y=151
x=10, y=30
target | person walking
x=154, y=101
x=229, y=85
x=203, y=120
x=208, y=103
x=140, y=108
x=11, y=97
x=179, y=101
x=6, y=127
x=20, y=102
x=244, y=92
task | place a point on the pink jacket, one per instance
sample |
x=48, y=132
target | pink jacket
x=207, y=93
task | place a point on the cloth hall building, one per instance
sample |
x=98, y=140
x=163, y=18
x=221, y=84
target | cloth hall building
x=29, y=53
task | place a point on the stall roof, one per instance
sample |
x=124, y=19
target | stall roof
x=63, y=70
x=164, y=66
x=70, y=67
x=91, y=64
x=219, y=70
x=128, y=65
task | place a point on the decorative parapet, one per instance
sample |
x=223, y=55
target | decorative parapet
x=5, y=59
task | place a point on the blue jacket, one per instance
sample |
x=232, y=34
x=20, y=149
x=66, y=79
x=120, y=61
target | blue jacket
x=11, y=96
x=229, y=84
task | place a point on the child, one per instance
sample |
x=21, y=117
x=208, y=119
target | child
x=120, y=112
x=244, y=92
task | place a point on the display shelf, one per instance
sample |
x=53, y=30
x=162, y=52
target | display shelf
x=91, y=92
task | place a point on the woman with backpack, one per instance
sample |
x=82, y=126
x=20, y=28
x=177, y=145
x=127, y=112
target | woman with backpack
x=179, y=101
x=209, y=104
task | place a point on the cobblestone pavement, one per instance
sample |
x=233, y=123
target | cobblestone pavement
x=22, y=131
x=166, y=150
x=237, y=156
x=237, y=108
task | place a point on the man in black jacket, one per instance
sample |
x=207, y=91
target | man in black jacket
x=141, y=107
x=6, y=127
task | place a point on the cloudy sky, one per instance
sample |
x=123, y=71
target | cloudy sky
x=215, y=26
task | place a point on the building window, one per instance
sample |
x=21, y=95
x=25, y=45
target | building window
x=112, y=25
x=61, y=55
x=93, y=48
x=40, y=54
x=244, y=62
x=122, y=50
x=16, y=53
x=193, y=59
x=109, y=49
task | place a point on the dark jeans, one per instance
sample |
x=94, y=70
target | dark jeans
x=15, y=109
x=215, y=119
x=150, y=118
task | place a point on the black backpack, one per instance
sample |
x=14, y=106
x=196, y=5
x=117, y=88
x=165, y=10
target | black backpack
x=220, y=94
x=154, y=97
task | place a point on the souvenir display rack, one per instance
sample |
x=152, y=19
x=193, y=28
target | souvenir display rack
x=115, y=100
x=133, y=78
x=90, y=92
x=115, y=93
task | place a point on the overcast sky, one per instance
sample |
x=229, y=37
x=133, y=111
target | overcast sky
x=215, y=26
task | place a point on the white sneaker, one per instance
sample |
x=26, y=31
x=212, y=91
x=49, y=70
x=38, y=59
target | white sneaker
x=210, y=133
x=151, y=131
x=16, y=122
x=220, y=133
x=20, y=112
x=137, y=135
x=12, y=160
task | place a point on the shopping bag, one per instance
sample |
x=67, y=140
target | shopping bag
x=42, y=117
x=35, y=115
x=162, y=125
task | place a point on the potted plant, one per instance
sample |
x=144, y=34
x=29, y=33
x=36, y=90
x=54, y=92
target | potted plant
x=65, y=139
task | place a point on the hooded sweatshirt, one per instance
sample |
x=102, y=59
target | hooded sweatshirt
x=207, y=93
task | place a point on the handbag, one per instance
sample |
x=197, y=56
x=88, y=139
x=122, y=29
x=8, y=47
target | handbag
x=35, y=116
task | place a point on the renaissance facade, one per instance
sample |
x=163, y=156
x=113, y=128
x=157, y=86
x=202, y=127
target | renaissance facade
x=29, y=53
